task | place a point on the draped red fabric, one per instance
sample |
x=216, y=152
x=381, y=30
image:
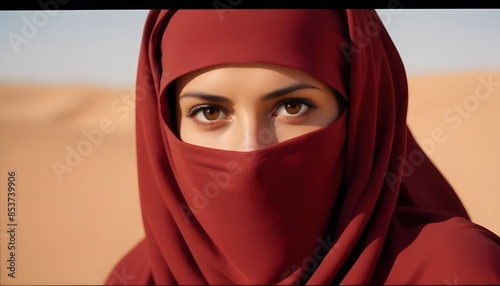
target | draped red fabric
x=355, y=202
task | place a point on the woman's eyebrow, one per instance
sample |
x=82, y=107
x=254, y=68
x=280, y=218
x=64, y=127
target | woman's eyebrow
x=273, y=94
x=204, y=96
x=288, y=89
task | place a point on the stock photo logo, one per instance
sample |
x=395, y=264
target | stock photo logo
x=123, y=107
x=453, y=116
x=31, y=26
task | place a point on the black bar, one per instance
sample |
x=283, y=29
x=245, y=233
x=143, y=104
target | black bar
x=243, y=4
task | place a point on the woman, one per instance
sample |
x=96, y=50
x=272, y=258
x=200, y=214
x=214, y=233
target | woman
x=273, y=149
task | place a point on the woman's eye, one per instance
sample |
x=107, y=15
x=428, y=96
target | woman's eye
x=208, y=114
x=293, y=108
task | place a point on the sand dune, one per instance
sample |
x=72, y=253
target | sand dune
x=72, y=227
x=73, y=151
x=463, y=108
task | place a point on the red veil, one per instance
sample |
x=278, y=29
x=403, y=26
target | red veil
x=355, y=202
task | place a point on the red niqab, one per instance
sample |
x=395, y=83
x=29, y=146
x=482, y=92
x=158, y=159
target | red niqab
x=354, y=202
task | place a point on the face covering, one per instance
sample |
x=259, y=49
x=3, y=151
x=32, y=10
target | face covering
x=337, y=205
x=272, y=203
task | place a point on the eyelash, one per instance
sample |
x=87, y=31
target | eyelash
x=293, y=118
x=195, y=110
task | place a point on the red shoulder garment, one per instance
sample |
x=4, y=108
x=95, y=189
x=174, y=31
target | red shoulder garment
x=355, y=202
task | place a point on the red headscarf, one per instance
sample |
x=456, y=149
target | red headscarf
x=354, y=202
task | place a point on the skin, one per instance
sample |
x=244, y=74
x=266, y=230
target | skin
x=233, y=107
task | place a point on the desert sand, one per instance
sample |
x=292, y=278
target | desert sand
x=72, y=149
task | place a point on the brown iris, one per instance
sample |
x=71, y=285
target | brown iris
x=293, y=107
x=211, y=113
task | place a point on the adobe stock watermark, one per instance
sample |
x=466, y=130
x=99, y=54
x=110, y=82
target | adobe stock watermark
x=121, y=277
x=221, y=179
x=83, y=148
x=362, y=36
x=394, y=7
x=92, y=138
x=463, y=110
x=211, y=189
x=224, y=6
x=455, y=116
x=309, y=264
x=123, y=107
x=30, y=27
x=451, y=282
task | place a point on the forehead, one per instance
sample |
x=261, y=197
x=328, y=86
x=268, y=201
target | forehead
x=239, y=75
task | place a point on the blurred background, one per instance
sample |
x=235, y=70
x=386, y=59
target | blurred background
x=67, y=127
x=100, y=47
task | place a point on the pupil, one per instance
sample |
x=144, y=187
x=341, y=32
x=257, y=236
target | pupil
x=211, y=113
x=292, y=108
